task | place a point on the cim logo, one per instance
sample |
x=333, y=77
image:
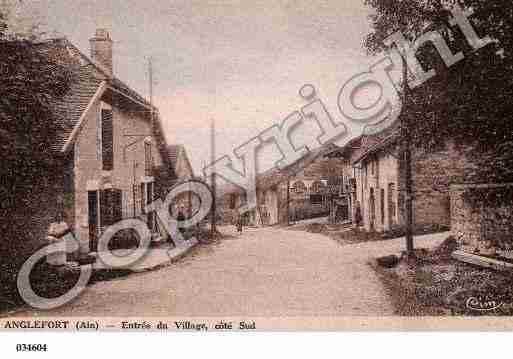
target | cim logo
x=483, y=303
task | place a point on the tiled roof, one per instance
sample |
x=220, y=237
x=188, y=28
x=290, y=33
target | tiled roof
x=276, y=176
x=173, y=152
x=85, y=82
x=364, y=145
x=373, y=143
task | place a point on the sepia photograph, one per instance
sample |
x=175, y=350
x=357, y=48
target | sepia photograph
x=255, y=166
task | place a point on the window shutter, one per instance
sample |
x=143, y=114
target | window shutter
x=148, y=160
x=107, y=140
x=117, y=213
x=111, y=206
x=105, y=219
x=143, y=198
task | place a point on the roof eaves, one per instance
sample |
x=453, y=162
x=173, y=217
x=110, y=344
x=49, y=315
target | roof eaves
x=80, y=123
x=377, y=147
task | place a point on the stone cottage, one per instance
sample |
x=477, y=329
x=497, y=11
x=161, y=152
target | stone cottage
x=377, y=183
x=308, y=182
x=110, y=156
x=187, y=202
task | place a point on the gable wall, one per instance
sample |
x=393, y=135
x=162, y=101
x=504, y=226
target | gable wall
x=88, y=171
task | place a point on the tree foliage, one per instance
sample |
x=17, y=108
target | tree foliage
x=31, y=79
x=470, y=101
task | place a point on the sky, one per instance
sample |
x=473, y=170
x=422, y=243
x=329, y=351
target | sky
x=241, y=63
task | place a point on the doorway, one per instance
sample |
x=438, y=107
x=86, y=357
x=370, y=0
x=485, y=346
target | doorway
x=93, y=220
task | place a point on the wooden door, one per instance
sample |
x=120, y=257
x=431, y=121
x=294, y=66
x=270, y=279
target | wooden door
x=93, y=220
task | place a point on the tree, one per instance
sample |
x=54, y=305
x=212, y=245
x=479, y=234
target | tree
x=470, y=101
x=32, y=77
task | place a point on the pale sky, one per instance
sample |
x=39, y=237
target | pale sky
x=240, y=62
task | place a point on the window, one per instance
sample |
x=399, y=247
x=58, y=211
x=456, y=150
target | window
x=107, y=140
x=233, y=200
x=110, y=207
x=316, y=198
x=391, y=204
x=317, y=187
x=148, y=159
x=352, y=185
x=382, y=205
x=299, y=187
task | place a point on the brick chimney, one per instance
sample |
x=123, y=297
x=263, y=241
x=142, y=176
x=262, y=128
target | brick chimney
x=101, y=49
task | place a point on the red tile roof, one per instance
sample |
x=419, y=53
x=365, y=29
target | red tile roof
x=87, y=79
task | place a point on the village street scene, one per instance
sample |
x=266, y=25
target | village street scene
x=193, y=164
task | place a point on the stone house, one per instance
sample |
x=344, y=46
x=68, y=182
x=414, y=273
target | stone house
x=182, y=168
x=314, y=188
x=110, y=156
x=346, y=202
x=308, y=182
x=377, y=183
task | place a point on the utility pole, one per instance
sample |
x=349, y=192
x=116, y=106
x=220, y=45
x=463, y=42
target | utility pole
x=288, y=201
x=406, y=157
x=150, y=71
x=213, y=177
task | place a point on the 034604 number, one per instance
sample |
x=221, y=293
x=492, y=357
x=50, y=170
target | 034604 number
x=31, y=347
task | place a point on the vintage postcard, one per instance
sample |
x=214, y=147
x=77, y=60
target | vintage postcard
x=242, y=166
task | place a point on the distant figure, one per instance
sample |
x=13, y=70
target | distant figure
x=239, y=223
x=180, y=218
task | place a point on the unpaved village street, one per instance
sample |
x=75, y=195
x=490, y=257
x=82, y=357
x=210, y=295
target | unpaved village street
x=264, y=272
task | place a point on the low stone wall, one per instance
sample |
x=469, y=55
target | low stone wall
x=303, y=209
x=482, y=216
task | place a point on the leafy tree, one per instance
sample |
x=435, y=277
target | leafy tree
x=470, y=101
x=32, y=77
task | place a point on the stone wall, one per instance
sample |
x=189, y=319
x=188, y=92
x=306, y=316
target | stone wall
x=432, y=173
x=482, y=216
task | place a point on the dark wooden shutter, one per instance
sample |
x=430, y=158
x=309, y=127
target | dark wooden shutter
x=316, y=198
x=107, y=141
x=382, y=199
x=93, y=219
x=143, y=196
x=117, y=203
x=148, y=160
x=104, y=208
x=110, y=206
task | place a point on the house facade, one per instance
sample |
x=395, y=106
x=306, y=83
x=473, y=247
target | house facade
x=315, y=189
x=377, y=182
x=375, y=173
x=300, y=191
x=111, y=154
x=186, y=202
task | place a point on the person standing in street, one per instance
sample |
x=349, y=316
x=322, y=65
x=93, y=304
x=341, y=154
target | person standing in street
x=181, y=218
x=239, y=223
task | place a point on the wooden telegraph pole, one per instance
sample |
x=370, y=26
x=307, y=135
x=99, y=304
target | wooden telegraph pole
x=213, y=178
x=406, y=157
x=150, y=70
x=288, y=201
